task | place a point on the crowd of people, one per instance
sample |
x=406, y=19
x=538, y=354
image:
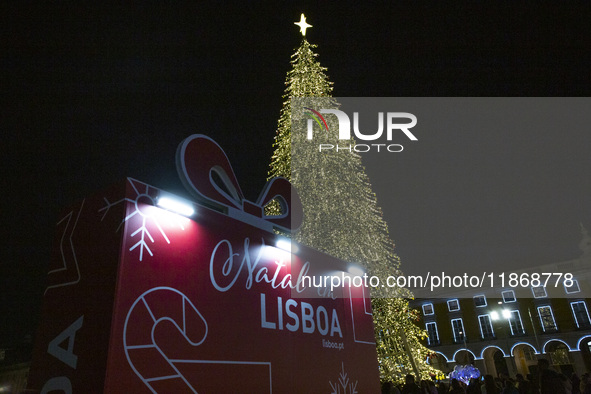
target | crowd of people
x=547, y=381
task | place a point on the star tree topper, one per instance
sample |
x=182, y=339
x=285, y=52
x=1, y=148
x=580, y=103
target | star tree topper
x=302, y=24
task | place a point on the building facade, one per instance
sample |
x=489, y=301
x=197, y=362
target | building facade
x=506, y=330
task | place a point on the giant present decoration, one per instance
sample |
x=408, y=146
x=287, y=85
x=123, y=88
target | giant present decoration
x=141, y=299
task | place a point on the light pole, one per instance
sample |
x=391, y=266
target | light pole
x=464, y=338
x=533, y=328
x=506, y=314
x=468, y=359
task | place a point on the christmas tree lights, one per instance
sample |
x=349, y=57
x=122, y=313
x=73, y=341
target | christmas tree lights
x=342, y=217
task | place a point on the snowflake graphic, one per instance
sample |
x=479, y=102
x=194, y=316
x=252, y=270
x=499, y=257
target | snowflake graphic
x=143, y=204
x=344, y=385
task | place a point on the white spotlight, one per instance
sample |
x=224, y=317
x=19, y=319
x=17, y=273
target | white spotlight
x=176, y=205
x=284, y=244
x=355, y=270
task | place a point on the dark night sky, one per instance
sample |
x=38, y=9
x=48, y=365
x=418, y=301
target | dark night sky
x=94, y=94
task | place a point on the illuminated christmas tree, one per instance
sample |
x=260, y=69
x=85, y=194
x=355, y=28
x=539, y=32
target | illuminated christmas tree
x=342, y=217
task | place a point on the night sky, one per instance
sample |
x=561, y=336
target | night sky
x=92, y=95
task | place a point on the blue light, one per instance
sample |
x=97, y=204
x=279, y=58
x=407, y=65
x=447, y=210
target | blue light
x=464, y=373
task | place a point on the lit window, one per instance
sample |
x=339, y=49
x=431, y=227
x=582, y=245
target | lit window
x=458, y=329
x=529, y=354
x=539, y=292
x=547, y=318
x=573, y=288
x=432, y=332
x=580, y=313
x=453, y=305
x=428, y=309
x=508, y=296
x=480, y=300
x=486, y=328
x=515, y=323
x=560, y=355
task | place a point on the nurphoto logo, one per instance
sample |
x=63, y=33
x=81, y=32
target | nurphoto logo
x=392, y=127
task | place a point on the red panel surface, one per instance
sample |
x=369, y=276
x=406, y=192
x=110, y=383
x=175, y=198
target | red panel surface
x=172, y=304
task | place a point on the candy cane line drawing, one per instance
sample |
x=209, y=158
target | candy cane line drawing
x=190, y=317
x=69, y=259
x=158, y=317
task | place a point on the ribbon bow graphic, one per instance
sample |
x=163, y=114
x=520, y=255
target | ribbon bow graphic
x=206, y=172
